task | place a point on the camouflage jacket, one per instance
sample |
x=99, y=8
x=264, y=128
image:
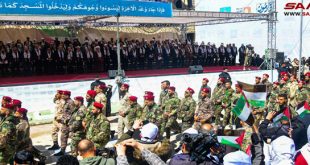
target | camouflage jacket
x=172, y=104
x=187, y=109
x=153, y=114
x=204, y=86
x=7, y=139
x=301, y=96
x=59, y=109
x=101, y=98
x=88, y=113
x=124, y=106
x=67, y=111
x=227, y=98
x=246, y=142
x=204, y=109
x=218, y=95
x=134, y=113
x=162, y=97
x=98, y=131
x=75, y=123
x=23, y=134
x=235, y=97
x=273, y=95
x=284, y=89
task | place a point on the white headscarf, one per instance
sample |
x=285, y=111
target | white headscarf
x=282, y=152
x=237, y=158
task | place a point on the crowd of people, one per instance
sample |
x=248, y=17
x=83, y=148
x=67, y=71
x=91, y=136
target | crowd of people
x=277, y=134
x=33, y=57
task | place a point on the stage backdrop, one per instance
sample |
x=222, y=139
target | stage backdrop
x=255, y=32
x=38, y=99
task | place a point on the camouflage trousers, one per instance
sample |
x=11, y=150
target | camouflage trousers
x=6, y=156
x=64, y=136
x=168, y=124
x=217, y=114
x=227, y=119
x=75, y=139
x=122, y=123
x=186, y=125
x=56, y=128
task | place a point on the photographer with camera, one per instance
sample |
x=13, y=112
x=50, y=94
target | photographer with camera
x=198, y=148
x=87, y=151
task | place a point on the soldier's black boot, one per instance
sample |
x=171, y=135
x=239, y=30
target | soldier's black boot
x=55, y=146
x=62, y=152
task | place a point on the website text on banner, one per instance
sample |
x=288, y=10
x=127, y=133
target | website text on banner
x=89, y=7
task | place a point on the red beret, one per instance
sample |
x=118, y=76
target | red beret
x=126, y=85
x=22, y=110
x=79, y=98
x=206, y=90
x=59, y=91
x=91, y=93
x=303, y=82
x=267, y=75
x=7, y=98
x=307, y=74
x=8, y=106
x=284, y=79
x=66, y=93
x=238, y=86
x=205, y=79
x=133, y=98
x=172, y=88
x=284, y=74
x=222, y=79
x=16, y=102
x=148, y=93
x=276, y=82
x=190, y=90
x=149, y=97
x=98, y=105
x=102, y=86
x=257, y=77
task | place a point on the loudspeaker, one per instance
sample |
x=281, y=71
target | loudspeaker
x=113, y=73
x=280, y=57
x=195, y=69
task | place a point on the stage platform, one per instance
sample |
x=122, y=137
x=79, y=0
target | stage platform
x=29, y=80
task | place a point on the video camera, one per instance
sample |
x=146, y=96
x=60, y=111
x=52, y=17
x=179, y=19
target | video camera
x=204, y=147
x=107, y=152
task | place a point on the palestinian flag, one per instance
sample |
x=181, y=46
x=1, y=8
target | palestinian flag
x=303, y=109
x=252, y=96
x=284, y=114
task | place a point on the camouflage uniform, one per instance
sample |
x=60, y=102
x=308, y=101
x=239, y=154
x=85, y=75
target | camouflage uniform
x=122, y=121
x=162, y=97
x=7, y=139
x=57, y=119
x=204, y=86
x=134, y=113
x=293, y=87
x=204, y=111
x=186, y=112
x=88, y=113
x=300, y=97
x=67, y=112
x=98, y=131
x=217, y=96
x=246, y=142
x=271, y=101
x=235, y=97
x=154, y=115
x=101, y=98
x=170, y=106
x=284, y=89
x=23, y=135
x=227, y=101
x=77, y=132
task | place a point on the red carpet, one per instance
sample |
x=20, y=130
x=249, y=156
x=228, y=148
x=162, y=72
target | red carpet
x=8, y=81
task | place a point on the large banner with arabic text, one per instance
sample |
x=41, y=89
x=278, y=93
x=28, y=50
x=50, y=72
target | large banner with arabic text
x=86, y=7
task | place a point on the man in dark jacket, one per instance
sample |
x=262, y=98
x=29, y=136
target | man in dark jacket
x=96, y=83
x=225, y=75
